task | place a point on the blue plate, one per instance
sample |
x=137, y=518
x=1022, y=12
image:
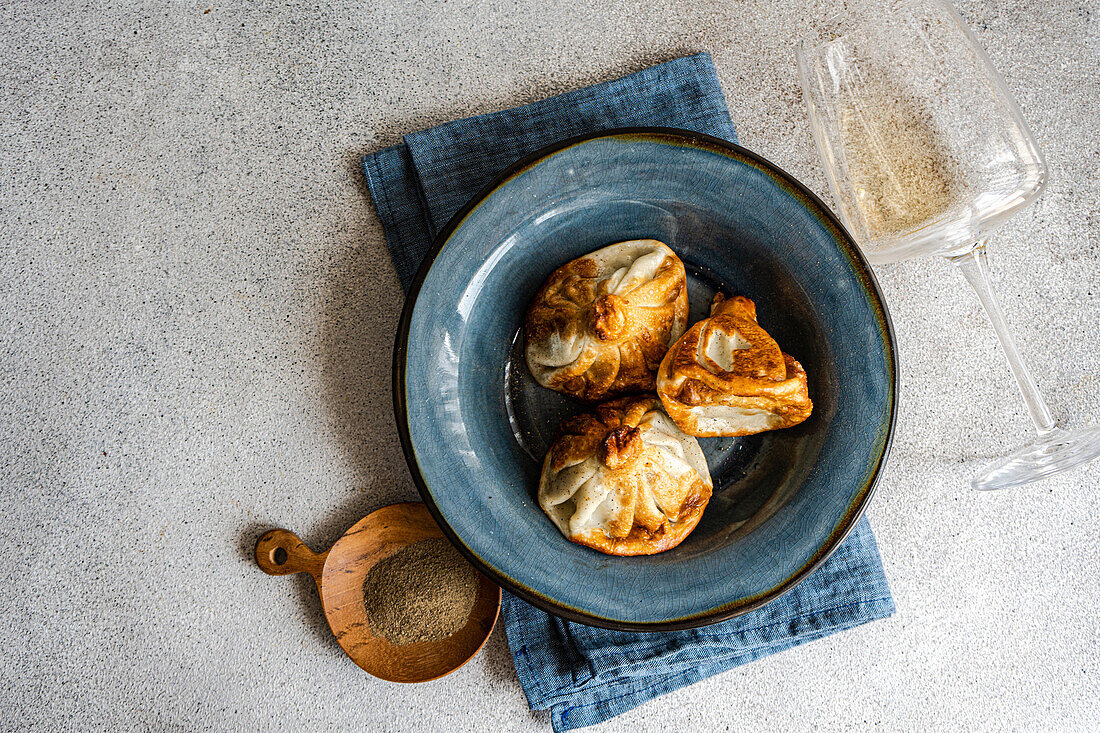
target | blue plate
x=475, y=427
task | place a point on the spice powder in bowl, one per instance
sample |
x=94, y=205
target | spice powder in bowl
x=423, y=592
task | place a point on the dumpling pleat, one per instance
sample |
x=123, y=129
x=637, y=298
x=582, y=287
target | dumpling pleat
x=647, y=514
x=727, y=376
x=631, y=293
x=627, y=280
x=567, y=482
x=624, y=480
x=588, y=499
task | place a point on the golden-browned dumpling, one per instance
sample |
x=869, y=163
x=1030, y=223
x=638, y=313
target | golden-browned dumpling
x=727, y=376
x=600, y=324
x=624, y=479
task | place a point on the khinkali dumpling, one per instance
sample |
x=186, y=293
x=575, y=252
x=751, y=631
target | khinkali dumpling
x=727, y=376
x=601, y=323
x=624, y=479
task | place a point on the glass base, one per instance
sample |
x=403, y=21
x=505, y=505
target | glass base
x=1054, y=452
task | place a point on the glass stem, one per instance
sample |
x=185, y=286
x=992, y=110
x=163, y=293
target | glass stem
x=976, y=270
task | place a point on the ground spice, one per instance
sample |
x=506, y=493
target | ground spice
x=423, y=592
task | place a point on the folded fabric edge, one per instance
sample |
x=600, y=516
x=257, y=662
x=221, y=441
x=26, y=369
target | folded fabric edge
x=392, y=191
x=821, y=622
x=570, y=714
x=857, y=557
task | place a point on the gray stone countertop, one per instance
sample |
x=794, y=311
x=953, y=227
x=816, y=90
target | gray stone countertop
x=197, y=316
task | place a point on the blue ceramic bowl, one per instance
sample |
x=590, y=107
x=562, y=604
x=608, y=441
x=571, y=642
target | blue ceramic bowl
x=475, y=427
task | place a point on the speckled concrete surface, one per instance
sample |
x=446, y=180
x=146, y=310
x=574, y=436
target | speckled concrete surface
x=198, y=313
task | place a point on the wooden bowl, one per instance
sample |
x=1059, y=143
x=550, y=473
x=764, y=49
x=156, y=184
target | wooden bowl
x=340, y=573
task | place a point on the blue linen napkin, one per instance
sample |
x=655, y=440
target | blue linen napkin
x=582, y=674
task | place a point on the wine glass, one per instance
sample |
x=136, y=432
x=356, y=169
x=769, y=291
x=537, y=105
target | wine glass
x=926, y=152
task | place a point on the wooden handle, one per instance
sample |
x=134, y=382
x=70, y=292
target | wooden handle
x=280, y=552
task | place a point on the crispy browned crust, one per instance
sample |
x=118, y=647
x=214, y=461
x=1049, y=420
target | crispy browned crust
x=761, y=377
x=612, y=433
x=640, y=541
x=630, y=335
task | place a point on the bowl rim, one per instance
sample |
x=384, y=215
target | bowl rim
x=863, y=271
